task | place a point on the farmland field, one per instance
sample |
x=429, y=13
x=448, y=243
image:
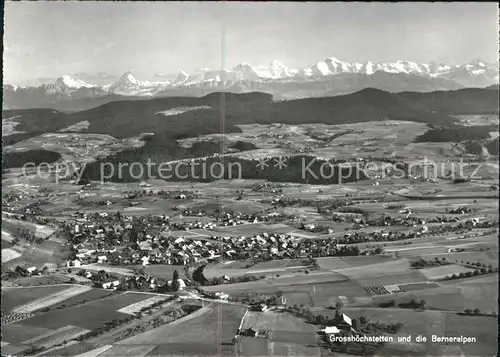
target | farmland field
x=9, y=254
x=487, y=257
x=210, y=324
x=52, y=299
x=15, y=333
x=136, y=307
x=478, y=292
x=287, y=333
x=35, y=280
x=77, y=350
x=483, y=328
x=87, y=296
x=12, y=350
x=333, y=263
x=417, y=286
x=444, y=270
x=101, y=311
x=56, y=337
x=368, y=260
x=440, y=324
x=376, y=270
x=127, y=351
x=14, y=297
x=412, y=276
x=269, y=269
x=163, y=270
x=448, y=298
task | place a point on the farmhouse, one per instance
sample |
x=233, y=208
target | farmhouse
x=331, y=330
x=110, y=284
x=73, y=263
x=31, y=270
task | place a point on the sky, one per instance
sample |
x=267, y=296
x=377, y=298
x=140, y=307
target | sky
x=50, y=39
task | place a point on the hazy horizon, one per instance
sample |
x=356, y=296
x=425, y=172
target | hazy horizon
x=50, y=39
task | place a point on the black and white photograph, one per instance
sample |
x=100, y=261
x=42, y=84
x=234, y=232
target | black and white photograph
x=250, y=179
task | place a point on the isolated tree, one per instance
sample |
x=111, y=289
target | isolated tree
x=476, y=311
x=337, y=315
x=175, y=281
x=355, y=324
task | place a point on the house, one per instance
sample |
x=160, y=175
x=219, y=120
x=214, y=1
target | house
x=31, y=270
x=110, y=284
x=73, y=263
x=145, y=261
x=344, y=324
x=102, y=259
x=262, y=307
x=331, y=330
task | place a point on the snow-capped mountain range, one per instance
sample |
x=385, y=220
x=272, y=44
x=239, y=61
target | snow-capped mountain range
x=330, y=76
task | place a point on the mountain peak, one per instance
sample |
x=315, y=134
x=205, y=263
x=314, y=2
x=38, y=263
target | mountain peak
x=277, y=64
x=71, y=83
x=128, y=77
x=333, y=59
x=278, y=69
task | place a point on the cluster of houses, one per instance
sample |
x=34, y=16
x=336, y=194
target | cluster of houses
x=116, y=239
x=119, y=240
x=461, y=210
x=186, y=226
x=237, y=218
x=342, y=326
x=178, y=194
x=141, y=281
